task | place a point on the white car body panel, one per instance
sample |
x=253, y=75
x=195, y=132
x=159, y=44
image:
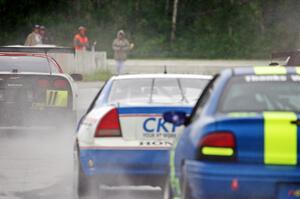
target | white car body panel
x=133, y=135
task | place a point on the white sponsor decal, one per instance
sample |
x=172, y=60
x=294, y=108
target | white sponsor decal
x=265, y=78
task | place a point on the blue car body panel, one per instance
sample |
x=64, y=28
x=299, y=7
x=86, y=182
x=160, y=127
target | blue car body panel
x=213, y=180
x=209, y=179
x=153, y=109
x=126, y=162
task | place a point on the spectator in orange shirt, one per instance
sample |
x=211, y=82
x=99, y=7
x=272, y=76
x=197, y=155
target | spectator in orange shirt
x=81, y=41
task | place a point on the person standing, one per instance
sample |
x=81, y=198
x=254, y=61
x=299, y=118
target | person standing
x=44, y=35
x=34, y=38
x=81, y=41
x=121, y=46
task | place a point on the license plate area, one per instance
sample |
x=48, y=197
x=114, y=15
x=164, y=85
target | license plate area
x=289, y=191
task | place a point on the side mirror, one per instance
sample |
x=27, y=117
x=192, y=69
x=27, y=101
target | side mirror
x=175, y=117
x=77, y=77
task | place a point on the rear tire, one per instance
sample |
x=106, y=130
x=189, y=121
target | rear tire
x=83, y=183
x=75, y=172
x=86, y=186
x=185, y=188
x=167, y=191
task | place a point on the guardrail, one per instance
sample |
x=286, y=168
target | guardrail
x=185, y=66
x=82, y=62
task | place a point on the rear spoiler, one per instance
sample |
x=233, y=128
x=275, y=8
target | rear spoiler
x=37, y=49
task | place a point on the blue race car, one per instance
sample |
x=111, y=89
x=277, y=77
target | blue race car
x=122, y=139
x=242, y=138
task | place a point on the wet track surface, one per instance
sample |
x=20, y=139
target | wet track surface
x=36, y=164
x=39, y=163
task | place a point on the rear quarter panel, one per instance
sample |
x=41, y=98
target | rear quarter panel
x=186, y=148
x=88, y=125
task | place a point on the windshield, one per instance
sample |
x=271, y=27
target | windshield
x=156, y=91
x=26, y=64
x=261, y=93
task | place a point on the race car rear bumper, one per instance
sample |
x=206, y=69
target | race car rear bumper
x=45, y=117
x=131, y=165
x=217, y=180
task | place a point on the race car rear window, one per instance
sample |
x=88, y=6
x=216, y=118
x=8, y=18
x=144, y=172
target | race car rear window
x=27, y=64
x=156, y=91
x=261, y=93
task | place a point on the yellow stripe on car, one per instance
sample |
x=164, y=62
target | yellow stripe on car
x=280, y=138
x=270, y=70
x=173, y=178
x=174, y=181
x=57, y=98
x=220, y=151
x=298, y=70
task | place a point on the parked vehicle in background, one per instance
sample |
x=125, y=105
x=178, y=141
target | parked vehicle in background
x=122, y=139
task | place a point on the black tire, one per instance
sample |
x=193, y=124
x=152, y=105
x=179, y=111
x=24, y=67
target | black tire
x=83, y=183
x=185, y=188
x=86, y=186
x=167, y=191
x=75, y=172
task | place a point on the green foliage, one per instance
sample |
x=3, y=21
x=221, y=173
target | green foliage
x=99, y=75
x=205, y=29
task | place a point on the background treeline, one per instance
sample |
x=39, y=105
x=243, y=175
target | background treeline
x=204, y=28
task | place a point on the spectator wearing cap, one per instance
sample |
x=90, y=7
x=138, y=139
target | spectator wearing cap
x=81, y=41
x=121, y=46
x=44, y=35
x=34, y=38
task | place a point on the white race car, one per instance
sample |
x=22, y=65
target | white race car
x=123, y=139
x=34, y=91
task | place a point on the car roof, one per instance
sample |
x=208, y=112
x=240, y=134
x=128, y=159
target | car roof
x=31, y=73
x=39, y=55
x=13, y=54
x=265, y=70
x=138, y=76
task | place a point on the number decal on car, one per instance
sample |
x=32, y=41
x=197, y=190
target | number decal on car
x=57, y=98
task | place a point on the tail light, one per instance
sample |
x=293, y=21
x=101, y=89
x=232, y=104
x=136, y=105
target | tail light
x=217, y=146
x=43, y=83
x=109, y=125
x=57, y=84
x=60, y=83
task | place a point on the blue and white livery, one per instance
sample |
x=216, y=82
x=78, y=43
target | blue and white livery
x=123, y=139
